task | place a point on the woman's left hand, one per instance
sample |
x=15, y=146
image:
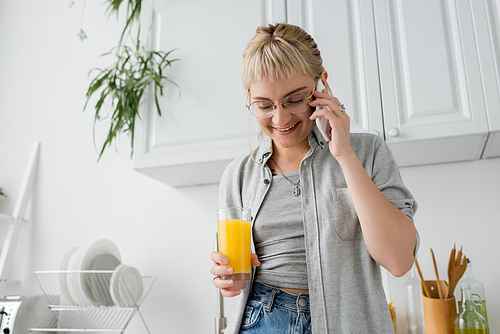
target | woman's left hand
x=340, y=142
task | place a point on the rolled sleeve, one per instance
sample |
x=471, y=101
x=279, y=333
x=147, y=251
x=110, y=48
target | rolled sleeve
x=387, y=178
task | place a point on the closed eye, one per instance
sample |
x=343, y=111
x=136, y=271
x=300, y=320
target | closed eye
x=264, y=106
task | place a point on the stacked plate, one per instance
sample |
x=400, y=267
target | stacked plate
x=96, y=276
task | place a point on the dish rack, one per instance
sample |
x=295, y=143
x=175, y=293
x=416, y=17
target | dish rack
x=88, y=314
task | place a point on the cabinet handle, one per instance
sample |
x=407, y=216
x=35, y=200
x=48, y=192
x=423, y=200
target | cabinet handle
x=393, y=132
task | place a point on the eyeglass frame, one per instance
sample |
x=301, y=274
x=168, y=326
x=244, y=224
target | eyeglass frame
x=275, y=107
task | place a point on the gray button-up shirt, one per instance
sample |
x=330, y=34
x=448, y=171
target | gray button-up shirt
x=345, y=284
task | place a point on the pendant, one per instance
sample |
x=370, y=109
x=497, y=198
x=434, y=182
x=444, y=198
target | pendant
x=296, y=191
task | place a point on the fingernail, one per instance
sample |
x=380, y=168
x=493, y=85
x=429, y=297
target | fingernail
x=225, y=261
x=229, y=270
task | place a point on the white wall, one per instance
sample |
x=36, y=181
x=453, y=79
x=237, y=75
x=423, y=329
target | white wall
x=165, y=232
x=458, y=203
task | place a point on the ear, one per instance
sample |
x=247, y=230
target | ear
x=323, y=77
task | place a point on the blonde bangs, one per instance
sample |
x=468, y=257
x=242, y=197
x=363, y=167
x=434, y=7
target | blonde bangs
x=271, y=61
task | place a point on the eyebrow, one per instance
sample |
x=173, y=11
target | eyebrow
x=286, y=95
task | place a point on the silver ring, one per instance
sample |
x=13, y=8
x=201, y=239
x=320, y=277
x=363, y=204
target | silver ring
x=342, y=107
x=213, y=279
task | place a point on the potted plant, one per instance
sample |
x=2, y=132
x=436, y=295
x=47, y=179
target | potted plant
x=123, y=84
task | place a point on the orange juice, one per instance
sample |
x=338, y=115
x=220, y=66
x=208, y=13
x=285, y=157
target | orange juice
x=234, y=243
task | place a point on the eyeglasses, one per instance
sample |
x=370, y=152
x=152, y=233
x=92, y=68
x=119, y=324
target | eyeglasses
x=294, y=104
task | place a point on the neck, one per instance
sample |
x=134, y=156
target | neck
x=289, y=159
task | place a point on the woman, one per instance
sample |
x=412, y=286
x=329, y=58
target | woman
x=326, y=215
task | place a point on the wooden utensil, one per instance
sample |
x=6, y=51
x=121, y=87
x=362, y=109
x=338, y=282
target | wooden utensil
x=451, y=262
x=461, y=270
x=437, y=275
x=458, y=267
x=451, y=270
x=426, y=289
x=459, y=257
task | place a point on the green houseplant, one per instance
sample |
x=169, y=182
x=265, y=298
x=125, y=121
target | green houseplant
x=124, y=83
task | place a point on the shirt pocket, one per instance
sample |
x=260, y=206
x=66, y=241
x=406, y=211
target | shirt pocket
x=345, y=217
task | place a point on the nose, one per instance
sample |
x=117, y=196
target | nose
x=281, y=116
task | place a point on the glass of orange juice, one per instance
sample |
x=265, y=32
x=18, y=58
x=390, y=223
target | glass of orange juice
x=234, y=230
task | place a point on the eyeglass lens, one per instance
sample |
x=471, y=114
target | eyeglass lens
x=294, y=104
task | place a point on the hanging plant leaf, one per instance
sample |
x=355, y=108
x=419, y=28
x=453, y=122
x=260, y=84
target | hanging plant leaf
x=122, y=85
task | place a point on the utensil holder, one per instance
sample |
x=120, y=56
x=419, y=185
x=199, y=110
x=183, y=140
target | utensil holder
x=439, y=314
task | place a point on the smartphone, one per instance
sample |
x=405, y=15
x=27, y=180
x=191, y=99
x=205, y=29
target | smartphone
x=321, y=122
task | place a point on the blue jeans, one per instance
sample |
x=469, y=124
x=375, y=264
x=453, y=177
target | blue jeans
x=271, y=310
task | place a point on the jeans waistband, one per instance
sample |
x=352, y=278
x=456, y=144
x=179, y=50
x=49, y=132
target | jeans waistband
x=271, y=296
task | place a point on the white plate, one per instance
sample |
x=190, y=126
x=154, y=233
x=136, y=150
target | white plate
x=100, y=282
x=130, y=286
x=63, y=278
x=114, y=286
x=73, y=279
x=100, y=247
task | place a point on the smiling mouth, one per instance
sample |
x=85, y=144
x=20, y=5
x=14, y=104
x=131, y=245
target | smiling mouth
x=286, y=129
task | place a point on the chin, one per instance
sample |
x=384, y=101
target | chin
x=288, y=142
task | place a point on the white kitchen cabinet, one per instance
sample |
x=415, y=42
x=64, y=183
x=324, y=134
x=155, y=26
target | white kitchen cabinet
x=487, y=25
x=418, y=74
x=206, y=127
x=430, y=75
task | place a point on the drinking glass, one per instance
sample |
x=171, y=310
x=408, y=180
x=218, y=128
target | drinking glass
x=234, y=238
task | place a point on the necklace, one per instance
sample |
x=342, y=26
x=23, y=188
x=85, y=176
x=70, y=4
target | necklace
x=296, y=190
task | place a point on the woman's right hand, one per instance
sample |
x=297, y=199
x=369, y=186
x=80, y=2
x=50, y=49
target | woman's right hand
x=229, y=288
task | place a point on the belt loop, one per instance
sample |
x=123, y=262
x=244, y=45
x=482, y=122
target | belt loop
x=270, y=301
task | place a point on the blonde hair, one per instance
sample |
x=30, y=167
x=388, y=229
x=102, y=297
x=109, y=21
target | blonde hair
x=280, y=51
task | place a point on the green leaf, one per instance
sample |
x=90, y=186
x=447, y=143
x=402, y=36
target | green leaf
x=123, y=83
x=82, y=35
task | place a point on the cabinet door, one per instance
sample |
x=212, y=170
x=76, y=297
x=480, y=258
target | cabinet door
x=487, y=25
x=344, y=32
x=204, y=127
x=432, y=94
